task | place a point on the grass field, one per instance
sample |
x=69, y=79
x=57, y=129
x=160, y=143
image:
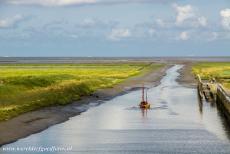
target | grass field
x=27, y=87
x=220, y=71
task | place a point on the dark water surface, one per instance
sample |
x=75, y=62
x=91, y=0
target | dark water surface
x=176, y=123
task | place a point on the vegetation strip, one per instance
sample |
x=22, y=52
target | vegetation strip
x=28, y=87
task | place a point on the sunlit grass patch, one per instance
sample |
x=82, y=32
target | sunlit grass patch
x=218, y=70
x=27, y=87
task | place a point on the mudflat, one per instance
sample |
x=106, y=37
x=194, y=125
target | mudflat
x=186, y=77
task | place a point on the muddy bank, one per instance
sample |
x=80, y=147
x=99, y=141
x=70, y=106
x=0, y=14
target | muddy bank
x=186, y=77
x=36, y=121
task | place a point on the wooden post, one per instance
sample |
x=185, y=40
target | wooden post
x=143, y=93
x=200, y=87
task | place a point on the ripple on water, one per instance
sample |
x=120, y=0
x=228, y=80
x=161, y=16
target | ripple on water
x=162, y=107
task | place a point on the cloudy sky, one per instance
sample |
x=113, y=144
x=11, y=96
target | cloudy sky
x=114, y=28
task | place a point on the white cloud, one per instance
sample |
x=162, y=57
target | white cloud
x=10, y=21
x=118, y=34
x=225, y=15
x=79, y=2
x=160, y=22
x=88, y=22
x=184, y=36
x=202, y=21
x=51, y=2
x=187, y=15
x=183, y=13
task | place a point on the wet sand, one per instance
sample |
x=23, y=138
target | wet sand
x=37, y=121
x=186, y=77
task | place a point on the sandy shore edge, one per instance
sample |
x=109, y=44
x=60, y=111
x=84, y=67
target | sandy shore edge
x=37, y=121
x=186, y=77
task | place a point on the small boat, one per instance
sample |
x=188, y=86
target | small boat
x=144, y=102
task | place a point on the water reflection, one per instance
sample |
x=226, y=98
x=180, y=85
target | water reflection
x=223, y=129
x=144, y=112
x=214, y=119
x=225, y=122
x=200, y=105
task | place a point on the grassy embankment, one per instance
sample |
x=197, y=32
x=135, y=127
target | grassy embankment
x=27, y=87
x=218, y=70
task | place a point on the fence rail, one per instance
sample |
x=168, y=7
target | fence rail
x=223, y=93
x=221, y=97
x=199, y=86
x=220, y=91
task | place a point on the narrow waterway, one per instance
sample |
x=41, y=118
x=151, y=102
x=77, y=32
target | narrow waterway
x=176, y=123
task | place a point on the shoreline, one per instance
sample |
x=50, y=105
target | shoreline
x=39, y=120
x=187, y=78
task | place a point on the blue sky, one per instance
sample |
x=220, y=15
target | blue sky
x=115, y=28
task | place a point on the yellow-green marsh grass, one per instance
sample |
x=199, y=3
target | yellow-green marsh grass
x=218, y=70
x=27, y=87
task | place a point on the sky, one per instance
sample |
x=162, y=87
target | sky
x=120, y=28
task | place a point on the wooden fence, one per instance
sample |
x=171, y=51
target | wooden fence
x=223, y=101
x=200, y=87
x=222, y=98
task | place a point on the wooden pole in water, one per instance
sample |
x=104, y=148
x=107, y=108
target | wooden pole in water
x=146, y=97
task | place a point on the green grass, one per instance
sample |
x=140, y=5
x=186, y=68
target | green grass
x=218, y=70
x=28, y=87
